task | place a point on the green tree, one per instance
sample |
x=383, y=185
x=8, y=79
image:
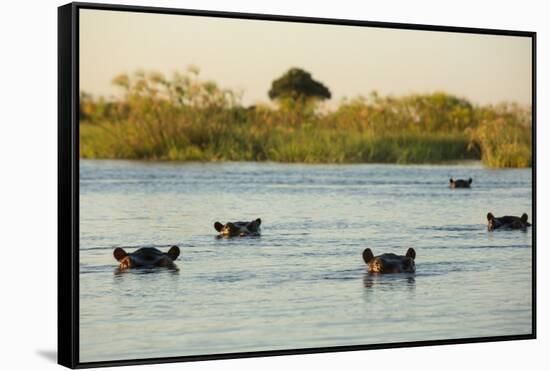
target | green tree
x=297, y=94
x=298, y=84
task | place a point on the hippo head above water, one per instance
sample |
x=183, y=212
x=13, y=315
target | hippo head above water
x=507, y=222
x=390, y=263
x=460, y=183
x=240, y=229
x=146, y=257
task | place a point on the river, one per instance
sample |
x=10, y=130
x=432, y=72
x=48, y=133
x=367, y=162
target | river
x=303, y=283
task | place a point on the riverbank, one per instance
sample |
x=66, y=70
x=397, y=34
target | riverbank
x=307, y=145
x=190, y=120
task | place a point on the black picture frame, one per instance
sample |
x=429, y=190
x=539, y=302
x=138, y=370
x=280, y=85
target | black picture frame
x=68, y=182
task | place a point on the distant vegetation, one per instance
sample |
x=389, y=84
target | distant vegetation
x=186, y=119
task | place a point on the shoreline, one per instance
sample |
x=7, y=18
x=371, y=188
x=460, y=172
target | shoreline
x=463, y=163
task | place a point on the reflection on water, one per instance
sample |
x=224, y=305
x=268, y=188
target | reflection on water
x=388, y=281
x=118, y=271
x=303, y=283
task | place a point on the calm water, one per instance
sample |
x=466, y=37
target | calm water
x=302, y=283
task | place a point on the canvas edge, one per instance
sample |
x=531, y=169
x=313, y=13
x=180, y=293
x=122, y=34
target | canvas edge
x=534, y=182
x=67, y=251
x=300, y=19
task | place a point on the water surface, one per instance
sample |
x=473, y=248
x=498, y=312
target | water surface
x=303, y=283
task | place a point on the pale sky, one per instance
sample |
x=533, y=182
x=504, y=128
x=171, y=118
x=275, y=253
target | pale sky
x=247, y=55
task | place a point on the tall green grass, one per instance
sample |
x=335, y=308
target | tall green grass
x=504, y=134
x=186, y=119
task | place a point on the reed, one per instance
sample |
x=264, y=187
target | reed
x=186, y=119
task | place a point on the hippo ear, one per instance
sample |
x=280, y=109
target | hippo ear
x=470, y=180
x=218, y=226
x=411, y=253
x=367, y=255
x=119, y=253
x=255, y=223
x=174, y=252
x=524, y=218
x=490, y=216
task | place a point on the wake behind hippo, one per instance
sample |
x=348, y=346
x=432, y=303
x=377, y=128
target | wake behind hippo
x=146, y=257
x=507, y=222
x=390, y=263
x=460, y=183
x=239, y=229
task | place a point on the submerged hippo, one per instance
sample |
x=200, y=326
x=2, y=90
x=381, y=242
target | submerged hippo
x=507, y=222
x=460, y=183
x=241, y=229
x=390, y=263
x=146, y=257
